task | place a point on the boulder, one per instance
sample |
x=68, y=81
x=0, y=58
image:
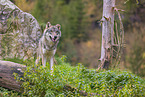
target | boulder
x=19, y=32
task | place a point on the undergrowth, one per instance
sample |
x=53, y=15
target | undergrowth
x=38, y=81
x=6, y=93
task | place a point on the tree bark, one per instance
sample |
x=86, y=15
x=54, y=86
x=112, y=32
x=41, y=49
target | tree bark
x=107, y=32
x=6, y=75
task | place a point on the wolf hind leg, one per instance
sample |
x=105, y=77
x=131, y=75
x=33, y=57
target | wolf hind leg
x=37, y=60
x=55, y=62
x=43, y=60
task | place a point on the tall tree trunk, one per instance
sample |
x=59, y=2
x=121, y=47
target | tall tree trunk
x=107, y=32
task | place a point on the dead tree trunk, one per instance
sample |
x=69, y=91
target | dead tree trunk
x=6, y=75
x=107, y=32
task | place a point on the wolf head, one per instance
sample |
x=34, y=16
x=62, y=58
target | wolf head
x=52, y=32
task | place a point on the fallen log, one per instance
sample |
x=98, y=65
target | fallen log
x=7, y=80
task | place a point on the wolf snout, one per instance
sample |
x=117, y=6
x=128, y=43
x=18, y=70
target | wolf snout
x=55, y=37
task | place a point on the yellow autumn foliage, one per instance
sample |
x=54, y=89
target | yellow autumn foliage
x=25, y=5
x=143, y=55
x=89, y=44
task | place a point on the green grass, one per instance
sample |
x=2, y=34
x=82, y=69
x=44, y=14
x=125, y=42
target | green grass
x=39, y=82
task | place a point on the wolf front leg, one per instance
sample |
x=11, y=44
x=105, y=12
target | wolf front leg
x=52, y=61
x=51, y=64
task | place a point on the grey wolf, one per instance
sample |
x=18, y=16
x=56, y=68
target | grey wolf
x=48, y=44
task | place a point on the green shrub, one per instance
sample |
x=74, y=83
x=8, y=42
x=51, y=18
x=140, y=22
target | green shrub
x=38, y=81
x=6, y=93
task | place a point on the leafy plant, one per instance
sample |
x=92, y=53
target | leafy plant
x=38, y=81
x=6, y=93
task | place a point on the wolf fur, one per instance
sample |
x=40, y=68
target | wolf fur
x=48, y=44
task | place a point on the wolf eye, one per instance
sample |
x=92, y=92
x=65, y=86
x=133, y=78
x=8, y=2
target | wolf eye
x=57, y=32
x=50, y=31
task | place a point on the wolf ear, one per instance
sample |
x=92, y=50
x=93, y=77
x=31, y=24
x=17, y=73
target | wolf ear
x=58, y=26
x=48, y=25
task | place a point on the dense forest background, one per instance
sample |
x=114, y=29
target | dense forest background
x=81, y=30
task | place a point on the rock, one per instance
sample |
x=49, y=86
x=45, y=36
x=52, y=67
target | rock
x=19, y=32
